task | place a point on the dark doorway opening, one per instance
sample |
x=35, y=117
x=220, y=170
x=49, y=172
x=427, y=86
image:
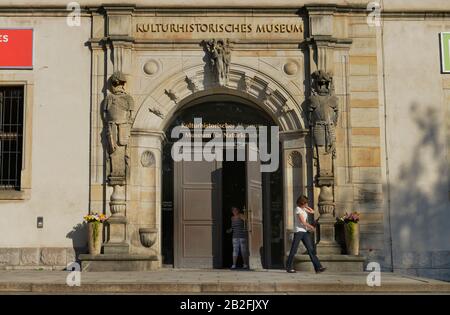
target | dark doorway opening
x=233, y=188
x=234, y=195
x=273, y=219
x=167, y=207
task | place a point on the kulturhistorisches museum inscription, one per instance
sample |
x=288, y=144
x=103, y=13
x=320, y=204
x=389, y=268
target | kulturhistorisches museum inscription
x=230, y=27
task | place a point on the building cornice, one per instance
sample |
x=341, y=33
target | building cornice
x=226, y=8
x=389, y=5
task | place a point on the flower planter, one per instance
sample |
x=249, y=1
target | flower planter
x=95, y=230
x=352, y=238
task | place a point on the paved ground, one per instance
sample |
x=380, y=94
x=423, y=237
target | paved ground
x=173, y=281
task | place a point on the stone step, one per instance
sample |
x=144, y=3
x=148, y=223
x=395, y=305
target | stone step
x=214, y=282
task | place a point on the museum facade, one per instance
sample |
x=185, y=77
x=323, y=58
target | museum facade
x=354, y=98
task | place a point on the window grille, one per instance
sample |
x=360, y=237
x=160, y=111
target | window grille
x=11, y=134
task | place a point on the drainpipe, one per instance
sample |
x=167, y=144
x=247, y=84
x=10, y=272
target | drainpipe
x=386, y=148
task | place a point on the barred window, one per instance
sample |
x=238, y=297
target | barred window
x=11, y=134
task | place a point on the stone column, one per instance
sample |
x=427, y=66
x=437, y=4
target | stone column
x=144, y=215
x=322, y=103
x=116, y=233
x=323, y=113
x=295, y=175
x=122, y=250
x=118, y=30
x=327, y=243
x=118, y=112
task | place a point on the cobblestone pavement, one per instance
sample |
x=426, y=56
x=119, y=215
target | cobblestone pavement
x=181, y=281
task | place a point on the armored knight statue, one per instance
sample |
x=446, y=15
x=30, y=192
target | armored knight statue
x=323, y=117
x=118, y=114
x=220, y=54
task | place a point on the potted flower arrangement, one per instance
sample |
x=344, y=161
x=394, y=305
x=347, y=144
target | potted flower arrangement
x=95, y=228
x=351, y=231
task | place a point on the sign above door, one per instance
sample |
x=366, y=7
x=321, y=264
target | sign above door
x=257, y=28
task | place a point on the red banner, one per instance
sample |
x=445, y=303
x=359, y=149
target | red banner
x=16, y=48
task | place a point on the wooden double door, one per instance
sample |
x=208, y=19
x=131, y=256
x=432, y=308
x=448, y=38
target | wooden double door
x=198, y=213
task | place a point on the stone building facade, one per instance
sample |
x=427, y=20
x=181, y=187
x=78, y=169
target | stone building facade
x=391, y=161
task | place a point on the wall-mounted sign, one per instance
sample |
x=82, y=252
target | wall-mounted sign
x=255, y=28
x=445, y=52
x=16, y=48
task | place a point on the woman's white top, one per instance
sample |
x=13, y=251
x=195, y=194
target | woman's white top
x=298, y=225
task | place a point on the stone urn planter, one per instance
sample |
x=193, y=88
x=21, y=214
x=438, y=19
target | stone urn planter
x=148, y=236
x=351, y=232
x=352, y=238
x=95, y=230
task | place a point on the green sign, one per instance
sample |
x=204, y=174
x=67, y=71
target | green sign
x=445, y=52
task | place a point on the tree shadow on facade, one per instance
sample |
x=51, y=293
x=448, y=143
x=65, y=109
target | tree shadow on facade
x=78, y=235
x=418, y=192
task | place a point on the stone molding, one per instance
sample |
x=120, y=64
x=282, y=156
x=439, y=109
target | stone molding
x=259, y=88
x=391, y=5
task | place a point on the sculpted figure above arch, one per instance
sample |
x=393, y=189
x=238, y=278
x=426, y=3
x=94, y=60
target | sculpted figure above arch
x=220, y=54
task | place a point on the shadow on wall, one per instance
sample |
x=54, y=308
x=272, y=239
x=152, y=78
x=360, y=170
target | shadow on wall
x=420, y=208
x=78, y=235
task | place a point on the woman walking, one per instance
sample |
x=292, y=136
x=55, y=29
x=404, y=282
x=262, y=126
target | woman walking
x=301, y=227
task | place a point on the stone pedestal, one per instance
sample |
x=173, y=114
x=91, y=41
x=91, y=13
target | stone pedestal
x=333, y=263
x=327, y=243
x=116, y=225
x=116, y=229
x=115, y=236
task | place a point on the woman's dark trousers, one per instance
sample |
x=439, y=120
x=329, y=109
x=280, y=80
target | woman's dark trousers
x=306, y=239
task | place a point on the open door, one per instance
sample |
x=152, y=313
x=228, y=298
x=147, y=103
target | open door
x=197, y=220
x=254, y=210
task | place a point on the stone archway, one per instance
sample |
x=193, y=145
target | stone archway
x=172, y=94
x=178, y=90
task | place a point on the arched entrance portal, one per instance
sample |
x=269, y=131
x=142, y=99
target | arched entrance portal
x=197, y=195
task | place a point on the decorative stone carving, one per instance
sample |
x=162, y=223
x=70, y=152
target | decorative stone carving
x=220, y=55
x=148, y=236
x=151, y=67
x=171, y=94
x=118, y=204
x=323, y=116
x=247, y=83
x=286, y=109
x=147, y=159
x=265, y=95
x=326, y=204
x=156, y=112
x=119, y=107
x=192, y=86
x=290, y=68
x=295, y=159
